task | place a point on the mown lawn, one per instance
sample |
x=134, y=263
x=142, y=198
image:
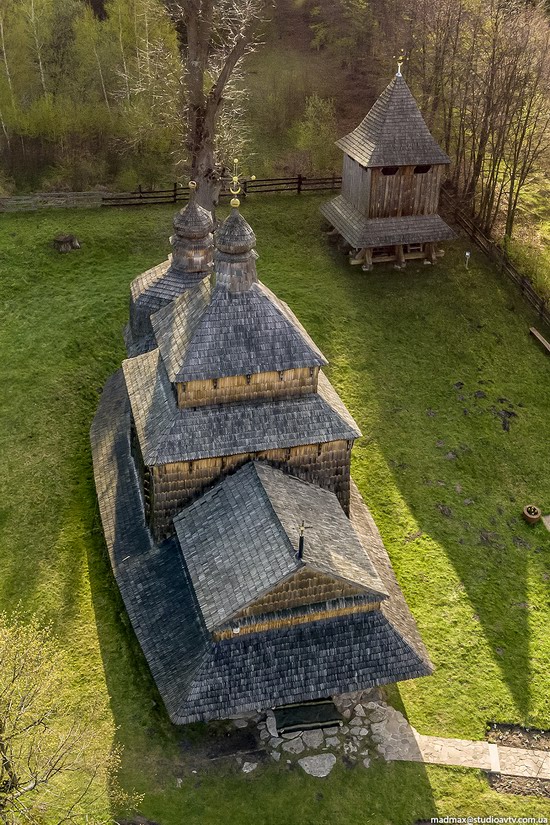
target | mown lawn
x=427, y=359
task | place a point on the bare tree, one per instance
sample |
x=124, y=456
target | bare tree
x=214, y=36
x=48, y=760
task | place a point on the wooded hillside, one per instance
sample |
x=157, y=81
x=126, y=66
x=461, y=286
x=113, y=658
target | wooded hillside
x=92, y=93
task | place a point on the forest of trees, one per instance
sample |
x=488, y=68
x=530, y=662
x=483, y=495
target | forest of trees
x=93, y=92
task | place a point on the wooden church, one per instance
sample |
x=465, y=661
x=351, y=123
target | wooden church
x=251, y=569
x=391, y=178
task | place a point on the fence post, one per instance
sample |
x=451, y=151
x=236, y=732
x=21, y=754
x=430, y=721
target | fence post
x=139, y=190
x=299, y=186
x=245, y=189
x=175, y=192
x=333, y=180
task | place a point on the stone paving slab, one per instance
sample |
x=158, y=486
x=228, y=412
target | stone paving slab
x=520, y=762
x=462, y=752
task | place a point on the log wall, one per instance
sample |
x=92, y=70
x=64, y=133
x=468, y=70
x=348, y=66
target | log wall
x=258, y=386
x=178, y=484
x=404, y=193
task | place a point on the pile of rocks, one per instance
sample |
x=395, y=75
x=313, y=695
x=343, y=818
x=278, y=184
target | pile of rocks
x=316, y=750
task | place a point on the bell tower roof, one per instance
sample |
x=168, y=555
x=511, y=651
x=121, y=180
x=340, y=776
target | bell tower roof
x=393, y=133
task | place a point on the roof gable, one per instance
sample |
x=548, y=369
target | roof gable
x=393, y=133
x=240, y=540
x=305, y=587
x=235, y=334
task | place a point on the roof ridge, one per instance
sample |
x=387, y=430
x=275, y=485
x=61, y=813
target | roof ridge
x=280, y=525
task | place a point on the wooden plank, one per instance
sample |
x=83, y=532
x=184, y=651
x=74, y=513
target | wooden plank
x=540, y=338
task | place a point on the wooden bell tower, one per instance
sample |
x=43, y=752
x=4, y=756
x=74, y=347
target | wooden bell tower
x=391, y=177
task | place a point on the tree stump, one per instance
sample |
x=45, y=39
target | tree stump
x=65, y=243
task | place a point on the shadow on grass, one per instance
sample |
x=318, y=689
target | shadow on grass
x=436, y=357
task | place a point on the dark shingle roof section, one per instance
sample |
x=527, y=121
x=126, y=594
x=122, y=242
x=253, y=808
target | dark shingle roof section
x=152, y=580
x=393, y=133
x=235, y=334
x=360, y=231
x=241, y=539
x=297, y=663
x=167, y=433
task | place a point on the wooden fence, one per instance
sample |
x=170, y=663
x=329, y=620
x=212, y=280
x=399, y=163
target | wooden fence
x=177, y=193
x=499, y=257
x=51, y=200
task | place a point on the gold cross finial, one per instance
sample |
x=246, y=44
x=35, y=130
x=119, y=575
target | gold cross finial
x=235, y=185
x=401, y=58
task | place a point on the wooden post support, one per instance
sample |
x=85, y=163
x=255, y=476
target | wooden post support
x=368, y=260
x=358, y=258
x=299, y=187
x=175, y=191
x=400, y=255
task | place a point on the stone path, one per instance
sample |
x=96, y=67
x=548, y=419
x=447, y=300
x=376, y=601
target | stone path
x=372, y=728
x=398, y=741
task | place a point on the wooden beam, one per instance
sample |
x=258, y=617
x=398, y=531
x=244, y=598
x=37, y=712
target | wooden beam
x=400, y=255
x=536, y=334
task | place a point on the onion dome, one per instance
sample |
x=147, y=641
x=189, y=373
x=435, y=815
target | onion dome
x=193, y=221
x=235, y=235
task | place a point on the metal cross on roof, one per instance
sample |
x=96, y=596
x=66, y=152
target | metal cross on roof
x=400, y=60
x=235, y=185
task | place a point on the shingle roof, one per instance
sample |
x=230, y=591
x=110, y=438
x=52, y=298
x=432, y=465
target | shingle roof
x=241, y=538
x=199, y=679
x=151, y=291
x=298, y=663
x=193, y=221
x=393, y=133
x=360, y=231
x=152, y=579
x=235, y=235
x=235, y=334
x=168, y=433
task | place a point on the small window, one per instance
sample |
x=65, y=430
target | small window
x=389, y=170
x=422, y=169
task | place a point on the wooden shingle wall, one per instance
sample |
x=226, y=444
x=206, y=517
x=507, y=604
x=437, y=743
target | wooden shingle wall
x=258, y=386
x=303, y=588
x=175, y=485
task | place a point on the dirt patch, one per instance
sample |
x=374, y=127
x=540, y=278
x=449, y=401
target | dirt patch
x=519, y=785
x=514, y=736
x=239, y=740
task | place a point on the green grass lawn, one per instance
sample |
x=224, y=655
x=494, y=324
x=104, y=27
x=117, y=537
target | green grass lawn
x=426, y=359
